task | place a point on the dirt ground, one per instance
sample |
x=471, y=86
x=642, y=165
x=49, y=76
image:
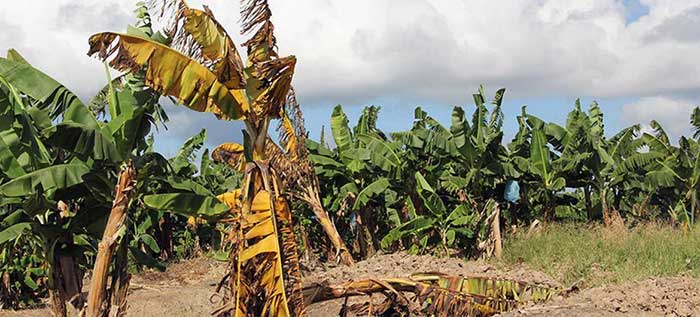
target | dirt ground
x=674, y=296
x=186, y=289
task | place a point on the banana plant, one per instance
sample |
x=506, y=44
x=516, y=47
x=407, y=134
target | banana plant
x=480, y=147
x=44, y=191
x=448, y=229
x=542, y=170
x=80, y=160
x=596, y=164
x=675, y=171
x=176, y=230
x=468, y=156
x=299, y=178
x=358, y=176
x=206, y=74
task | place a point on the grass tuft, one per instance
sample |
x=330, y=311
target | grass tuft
x=593, y=255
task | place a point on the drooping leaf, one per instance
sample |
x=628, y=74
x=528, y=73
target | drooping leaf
x=187, y=204
x=53, y=177
x=150, y=242
x=430, y=199
x=382, y=153
x=213, y=43
x=12, y=232
x=84, y=142
x=37, y=85
x=171, y=73
x=19, y=131
x=412, y=227
x=375, y=188
x=229, y=153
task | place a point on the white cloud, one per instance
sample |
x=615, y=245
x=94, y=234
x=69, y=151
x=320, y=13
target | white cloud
x=353, y=52
x=53, y=36
x=672, y=113
x=440, y=50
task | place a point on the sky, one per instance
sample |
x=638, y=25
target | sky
x=636, y=58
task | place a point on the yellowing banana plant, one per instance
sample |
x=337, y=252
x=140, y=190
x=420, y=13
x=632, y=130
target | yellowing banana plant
x=171, y=73
x=436, y=294
x=231, y=154
x=203, y=71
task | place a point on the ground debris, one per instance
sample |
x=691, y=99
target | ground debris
x=186, y=287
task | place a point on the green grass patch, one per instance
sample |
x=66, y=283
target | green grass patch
x=594, y=256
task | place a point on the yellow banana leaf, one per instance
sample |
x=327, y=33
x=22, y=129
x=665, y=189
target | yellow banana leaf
x=215, y=45
x=261, y=202
x=261, y=254
x=231, y=154
x=490, y=287
x=288, y=137
x=232, y=199
x=263, y=228
x=171, y=73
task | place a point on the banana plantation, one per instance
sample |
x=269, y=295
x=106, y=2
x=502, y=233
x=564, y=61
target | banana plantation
x=86, y=202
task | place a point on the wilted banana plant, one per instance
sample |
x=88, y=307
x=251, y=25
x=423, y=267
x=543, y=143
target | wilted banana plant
x=207, y=75
x=297, y=172
x=436, y=294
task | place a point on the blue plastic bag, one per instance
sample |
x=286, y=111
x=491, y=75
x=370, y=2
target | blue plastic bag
x=512, y=191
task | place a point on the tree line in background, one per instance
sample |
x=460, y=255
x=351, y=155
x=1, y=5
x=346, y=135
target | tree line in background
x=432, y=188
x=70, y=171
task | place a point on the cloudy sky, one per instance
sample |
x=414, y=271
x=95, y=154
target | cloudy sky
x=637, y=58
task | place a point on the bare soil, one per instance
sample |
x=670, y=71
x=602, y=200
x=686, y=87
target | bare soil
x=672, y=296
x=186, y=289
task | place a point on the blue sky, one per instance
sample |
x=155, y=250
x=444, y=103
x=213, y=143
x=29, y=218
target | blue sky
x=634, y=9
x=637, y=58
x=396, y=116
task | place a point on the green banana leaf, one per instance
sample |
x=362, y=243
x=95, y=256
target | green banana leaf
x=430, y=199
x=53, y=177
x=12, y=232
x=84, y=142
x=37, y=85
x=375, y=188
x=341, y=132
x=187, y=204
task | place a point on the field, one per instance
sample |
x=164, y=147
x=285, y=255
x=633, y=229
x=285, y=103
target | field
x=439, y=219
x=637, y=287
